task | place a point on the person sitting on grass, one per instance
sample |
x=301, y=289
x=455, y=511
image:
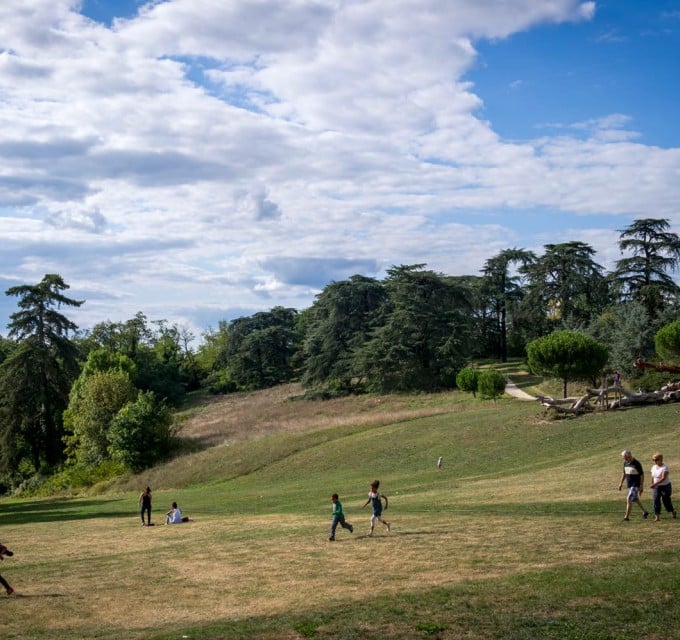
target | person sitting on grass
x=174, y=516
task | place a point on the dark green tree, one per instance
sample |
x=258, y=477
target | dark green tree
x=483, y=335
x=162, y=362
x=212, y=359
x=503, y=288
x=567, y=355
x=422, y=340
x=258, y=349
x=645, y=276
x=36, y=377
x=337, y=325
x=6, y=347
x=566, y=286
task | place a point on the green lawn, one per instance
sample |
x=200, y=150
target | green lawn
x=519, y=535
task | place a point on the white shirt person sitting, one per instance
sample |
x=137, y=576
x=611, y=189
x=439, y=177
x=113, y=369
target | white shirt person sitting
x=174, y=516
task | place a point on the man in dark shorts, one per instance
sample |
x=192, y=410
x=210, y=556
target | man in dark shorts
x=634, y=477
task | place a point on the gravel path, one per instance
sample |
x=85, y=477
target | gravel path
x=513, y=390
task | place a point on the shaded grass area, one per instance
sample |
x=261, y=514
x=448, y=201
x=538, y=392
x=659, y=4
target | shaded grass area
x=568, y=603
x=58, y=509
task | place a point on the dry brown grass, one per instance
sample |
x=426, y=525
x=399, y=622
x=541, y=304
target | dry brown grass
x=241, y=416
x=218, y=421
x=144, y=580
x=107, y=577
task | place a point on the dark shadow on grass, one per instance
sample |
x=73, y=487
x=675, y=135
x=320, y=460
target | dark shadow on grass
x=58, y=510
x=25, y=596
x=185, y=445
x=561, y=603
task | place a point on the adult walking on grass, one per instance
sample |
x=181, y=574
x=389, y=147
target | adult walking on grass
x=338, y=518
x=376, y=498
x=661, y=485
x=634, y=477
x=4, y=551
x=145, y=505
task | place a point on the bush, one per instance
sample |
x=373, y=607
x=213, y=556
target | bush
x=667, y=341
x=73, y=478
x=652, y=380
x=491, y=384
x=467, y=380
x=221, y=382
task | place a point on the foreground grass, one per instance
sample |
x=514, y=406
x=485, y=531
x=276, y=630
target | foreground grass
x=518, y=536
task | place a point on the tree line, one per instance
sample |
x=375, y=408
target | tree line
x=103, y=398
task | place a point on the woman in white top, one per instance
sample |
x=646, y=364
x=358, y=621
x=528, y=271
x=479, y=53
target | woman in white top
x=174, y=516
x=661, y=484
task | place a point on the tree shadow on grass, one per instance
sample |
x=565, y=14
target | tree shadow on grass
x=62, y=510
x=25, y=596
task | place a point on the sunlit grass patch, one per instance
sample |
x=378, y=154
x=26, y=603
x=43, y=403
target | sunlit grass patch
x=519, y=534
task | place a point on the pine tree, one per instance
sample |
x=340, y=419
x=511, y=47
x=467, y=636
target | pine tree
x=36, y=378
x=645, y=275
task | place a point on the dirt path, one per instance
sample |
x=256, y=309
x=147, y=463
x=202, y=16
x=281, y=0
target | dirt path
x=513, y=390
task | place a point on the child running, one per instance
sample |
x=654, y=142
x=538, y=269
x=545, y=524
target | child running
x=376, y=498
x=338, y=518
x=4, y=551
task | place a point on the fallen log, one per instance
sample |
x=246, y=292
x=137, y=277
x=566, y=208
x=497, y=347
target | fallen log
x=566, y=405
x=622, y=397
x=668, y=368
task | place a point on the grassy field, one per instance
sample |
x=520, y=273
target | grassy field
x=519, y=535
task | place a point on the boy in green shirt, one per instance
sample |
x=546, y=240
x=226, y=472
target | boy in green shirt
x=338, y=518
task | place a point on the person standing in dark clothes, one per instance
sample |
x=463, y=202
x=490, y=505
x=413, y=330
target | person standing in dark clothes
x=145, y=505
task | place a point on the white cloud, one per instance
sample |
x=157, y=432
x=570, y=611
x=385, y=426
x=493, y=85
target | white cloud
x=233, y=155
x=587, y=10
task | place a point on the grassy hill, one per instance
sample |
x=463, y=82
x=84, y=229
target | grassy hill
x=519, y=535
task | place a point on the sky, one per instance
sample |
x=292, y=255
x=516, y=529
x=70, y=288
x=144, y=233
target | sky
x=202, y=160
